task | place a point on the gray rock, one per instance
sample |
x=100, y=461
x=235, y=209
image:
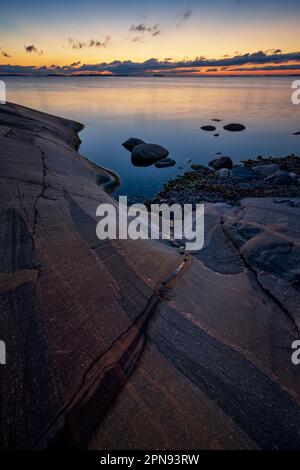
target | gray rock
x=222, y=162
x=280, y=178
x=243, y=172
x=263, y=171
x=223, y=173
x=131, y=143
x=148, y=153
x=234, y=127
x=165, y=163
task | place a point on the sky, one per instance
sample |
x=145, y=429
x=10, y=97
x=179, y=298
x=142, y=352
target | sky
x=142, y=37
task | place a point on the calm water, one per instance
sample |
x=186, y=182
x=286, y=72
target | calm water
x=167, y=111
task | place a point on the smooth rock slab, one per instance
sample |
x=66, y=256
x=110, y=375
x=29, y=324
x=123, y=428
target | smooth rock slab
x=280, y=178
x=263, y=171
x=243, y=172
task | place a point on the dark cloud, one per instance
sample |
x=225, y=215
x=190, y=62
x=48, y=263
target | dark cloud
x=4, y=54
x=31, y=49
x=74, y=64
x=77, y=44
x=184, y=17
x=247, y=62
x=267, y=67
x=142, y=28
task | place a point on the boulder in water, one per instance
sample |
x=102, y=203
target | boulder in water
x=131, y=143
x=234, y=127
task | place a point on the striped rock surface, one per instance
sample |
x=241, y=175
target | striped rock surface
x=129, y=344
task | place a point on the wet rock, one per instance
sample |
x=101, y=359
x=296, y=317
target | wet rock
x=222, y=162
x=279, y=178
x=217, y=120
x=216, y=135
x=234, y=127
x=296, y=133
x=263, y=171
x=223, y=173
x=165, y=163
x=198, y=167
x=131, y=143
x=208, y=128
x=243, y=172
x=146, y=154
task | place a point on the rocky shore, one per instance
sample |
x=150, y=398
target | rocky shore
x=222, y=181
x=123, y=344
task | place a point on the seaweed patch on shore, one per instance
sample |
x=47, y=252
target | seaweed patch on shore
x=261, y=177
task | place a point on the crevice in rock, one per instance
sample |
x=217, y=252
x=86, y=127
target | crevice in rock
x=44, y=187
x=78, y=422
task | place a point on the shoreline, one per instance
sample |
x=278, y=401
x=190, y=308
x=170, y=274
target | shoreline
x=204, y=184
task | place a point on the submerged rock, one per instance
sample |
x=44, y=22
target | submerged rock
x=165, y=163
x=146, y=154
x=208, y=128
x=234, y=127
x=222, y=162
x=131, y=143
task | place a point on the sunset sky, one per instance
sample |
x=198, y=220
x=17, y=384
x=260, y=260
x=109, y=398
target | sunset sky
x=145, y=37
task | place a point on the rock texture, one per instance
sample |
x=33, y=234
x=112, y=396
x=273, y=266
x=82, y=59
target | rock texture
x=126, y=344
x=217, y=368
x=74, y=309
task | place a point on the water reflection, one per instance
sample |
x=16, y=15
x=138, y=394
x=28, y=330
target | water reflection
x=170, y=112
